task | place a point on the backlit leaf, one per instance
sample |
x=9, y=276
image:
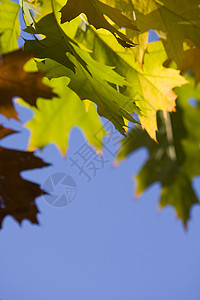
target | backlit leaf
x=175, y=159
x=53, y=120
x=93, y=83
x=150, y=87
x=174, y=21
x=9, y=26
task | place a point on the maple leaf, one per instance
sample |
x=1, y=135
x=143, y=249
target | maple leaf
x=17, y=196
x=15, y=81
x=53, y=120
x=175, y=159
x=9, y=26
x=95, y=11
x=151, y=88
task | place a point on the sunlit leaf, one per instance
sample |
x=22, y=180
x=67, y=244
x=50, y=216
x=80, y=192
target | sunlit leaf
x=151, y=88
x=9, y=26
x=90, y=83
x=53, y=120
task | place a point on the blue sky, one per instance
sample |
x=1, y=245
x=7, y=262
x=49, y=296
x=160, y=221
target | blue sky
x=105, y=245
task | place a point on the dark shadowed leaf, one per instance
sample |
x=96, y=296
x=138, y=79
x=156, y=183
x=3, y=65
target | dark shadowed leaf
x=95, y=11
x=17, y=196
x=56, y=44
x=191, y=62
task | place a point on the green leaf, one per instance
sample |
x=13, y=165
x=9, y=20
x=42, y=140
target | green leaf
x=96, y=82
x=53, y=120
x=137, y=37
x=45, y=7
x=174, y=21
x=56, y=43
x=175, y=159
x=9, y=26
x=151, y=88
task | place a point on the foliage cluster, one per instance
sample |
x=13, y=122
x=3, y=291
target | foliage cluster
x=87, y=59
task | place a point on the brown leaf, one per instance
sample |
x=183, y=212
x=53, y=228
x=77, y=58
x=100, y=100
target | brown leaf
x=5, y=131
x=15, y=81
x=17, y=196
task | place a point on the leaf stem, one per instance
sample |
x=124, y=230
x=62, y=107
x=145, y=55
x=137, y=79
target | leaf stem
x=170, y=137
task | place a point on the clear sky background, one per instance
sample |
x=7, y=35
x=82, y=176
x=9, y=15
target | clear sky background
x=105, y=245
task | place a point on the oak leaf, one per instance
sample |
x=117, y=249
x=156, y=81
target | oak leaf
x=150, y=87
x=98, y=83
x=175, y=159
x=53, y=120
x=174, y=22
x=56, y=45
